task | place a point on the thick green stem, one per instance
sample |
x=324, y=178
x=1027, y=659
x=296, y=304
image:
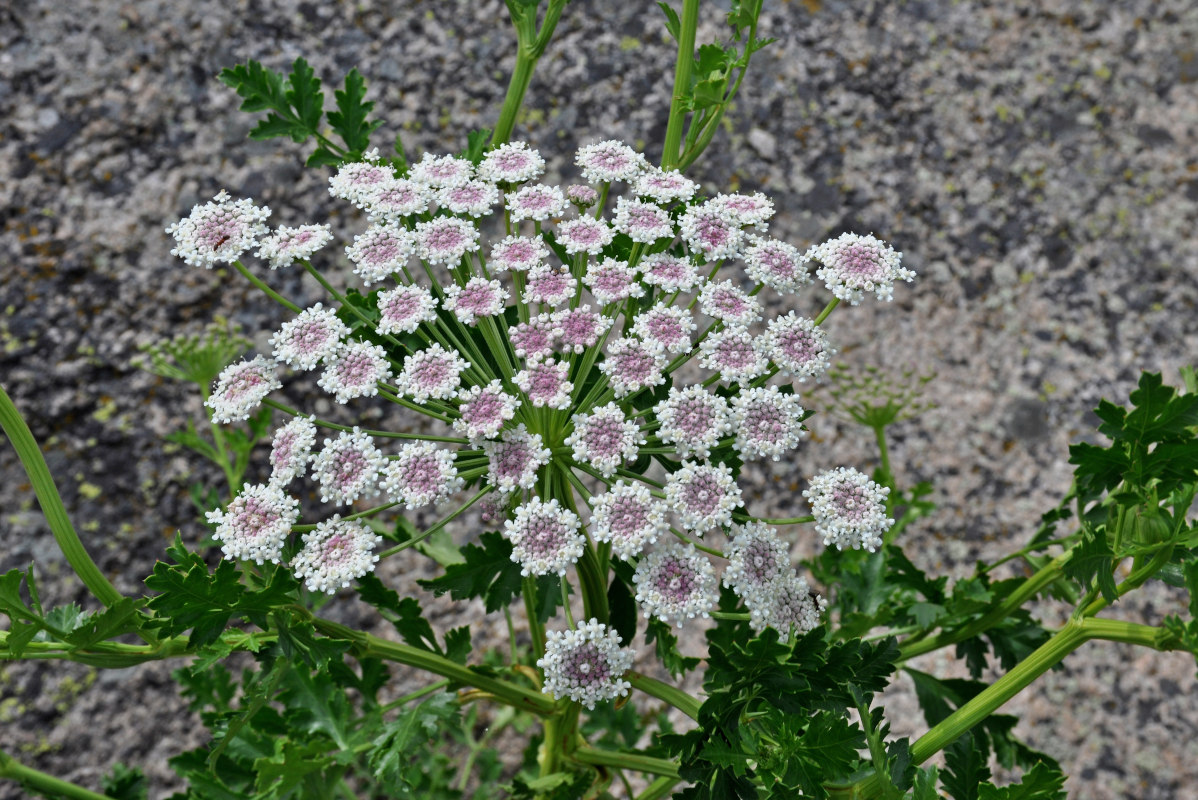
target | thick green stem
x=663, y=691
x=1072, y=636
x=683, y=65
x=42, y=783
x=51, y=502
x=635, y=761
x=367, y=645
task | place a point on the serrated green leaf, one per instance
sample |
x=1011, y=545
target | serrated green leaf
x=673, y=21
x=1041, y=782
x=317, y=705
x=488, y=572
x=966, y=767
x=115, y=620
x=349, y=120
x=290, y=767
x=1092, y=561
x=304, y=95
x=400, y=740
x=261, y=89
x=662, y=635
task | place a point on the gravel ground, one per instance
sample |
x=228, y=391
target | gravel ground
x=1029, y=158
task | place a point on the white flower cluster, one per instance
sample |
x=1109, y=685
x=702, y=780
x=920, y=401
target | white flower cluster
x=849, y=509
x=586, y=664
x=553, y=352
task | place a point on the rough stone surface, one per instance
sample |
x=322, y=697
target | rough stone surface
x=1033, y=160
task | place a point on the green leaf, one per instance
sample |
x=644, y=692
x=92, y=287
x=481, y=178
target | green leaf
x=458, y=644
x=673, y=22
x=192, y=598
x=349, y=120
x=487, y=572
x=116, y=620
x=1092, y=560
x=668, y=654
x=290, y=767
x=125, y=783
x=1041, y=782
x=395, y=755
x=317, y=705
x=966, y=767
x=261, y=89
x=304, y=95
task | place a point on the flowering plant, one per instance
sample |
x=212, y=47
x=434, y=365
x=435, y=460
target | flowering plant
x=577, y=376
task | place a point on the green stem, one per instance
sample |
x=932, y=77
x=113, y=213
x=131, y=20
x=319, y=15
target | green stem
x=683, y=65
x=269, y=292
x=823, y=315
x=367, y=645
x=663, y=691
x=438, y=525
x=51, y=502
x=1072, y=636
x=635, y=761
x=658, y=788
x=40, y=782
x=531, y=44
x=1049, y=573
